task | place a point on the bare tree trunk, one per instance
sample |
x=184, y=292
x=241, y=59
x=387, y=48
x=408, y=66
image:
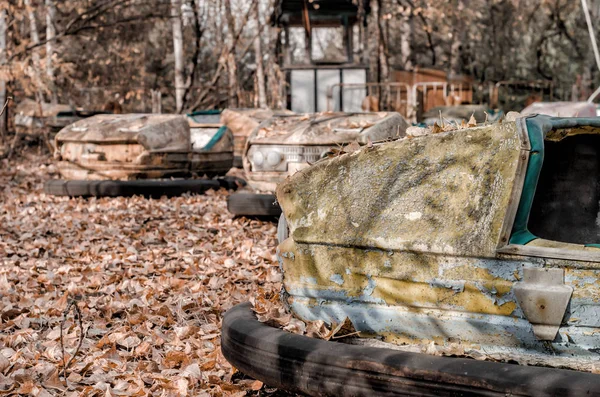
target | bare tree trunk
x=373, y=38
x=233, y=83
x=260, y=73
x=156, y=101
x=458, y=33
x=3, y=118
x=384, y=69
x=50, y=34
x=406, y=37
x=35, y=56
x=178, y=53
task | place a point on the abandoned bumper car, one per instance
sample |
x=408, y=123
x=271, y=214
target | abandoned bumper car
x=477, y=243
x=123, y=155
x=285, y=144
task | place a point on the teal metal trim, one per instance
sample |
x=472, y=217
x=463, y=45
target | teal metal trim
x=520, y=234
x=537, y=128
x=211, y=112
x=204, y=112
x=592, y=245
x=215, y=138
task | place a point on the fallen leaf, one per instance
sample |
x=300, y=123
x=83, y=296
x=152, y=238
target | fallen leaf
x=472, y=122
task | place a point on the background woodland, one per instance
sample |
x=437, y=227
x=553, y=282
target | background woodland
x=199, y=54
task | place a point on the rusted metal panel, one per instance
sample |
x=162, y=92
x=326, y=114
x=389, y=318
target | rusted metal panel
x=284, y=145
x=329, y=128
x=138, y=146
x=153, y=132
x=445, y=193
x=403, y=239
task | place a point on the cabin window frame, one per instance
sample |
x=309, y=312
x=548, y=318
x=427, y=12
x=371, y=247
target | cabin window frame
x=515, y=236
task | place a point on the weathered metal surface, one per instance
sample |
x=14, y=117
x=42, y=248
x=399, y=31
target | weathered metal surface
x=138, y=146
x=445, y=193
x=403, y=239
x=153, y=132
x=329, y=128
x=561, y=109
x=543, y=297
x=284, y=145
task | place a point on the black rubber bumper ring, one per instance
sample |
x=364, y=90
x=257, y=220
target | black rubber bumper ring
x=320, y=368
x=252, y=204
x=149, y=188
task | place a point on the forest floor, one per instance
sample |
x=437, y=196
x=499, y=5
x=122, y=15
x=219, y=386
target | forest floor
x=133, y=289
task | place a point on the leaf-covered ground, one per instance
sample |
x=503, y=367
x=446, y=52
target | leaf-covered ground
x=151, y=280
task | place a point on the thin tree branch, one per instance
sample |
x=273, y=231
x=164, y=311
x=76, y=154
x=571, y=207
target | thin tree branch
x=72, y=303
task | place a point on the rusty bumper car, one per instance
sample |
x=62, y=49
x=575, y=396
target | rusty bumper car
x=147, y=154
x=484, y=238
x=285, y=144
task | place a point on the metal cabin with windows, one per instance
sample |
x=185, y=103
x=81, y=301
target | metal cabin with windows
x=322, y=45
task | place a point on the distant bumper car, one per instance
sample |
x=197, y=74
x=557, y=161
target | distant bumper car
x=285, y=144
x=121, y=155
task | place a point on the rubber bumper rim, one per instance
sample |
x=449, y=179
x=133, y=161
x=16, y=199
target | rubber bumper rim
x=320, y=368
x=253, y=204
x=149, y=188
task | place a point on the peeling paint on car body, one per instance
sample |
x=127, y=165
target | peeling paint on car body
x=438, y=276
x=141, y=146
x=297, y=141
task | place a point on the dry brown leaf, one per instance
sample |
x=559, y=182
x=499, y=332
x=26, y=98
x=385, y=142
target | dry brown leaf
x=352, y=147
x=256, y=385
x=472, y=122
x=152, y=279
x=343, y=329
x=436, y=128
x=296, y=326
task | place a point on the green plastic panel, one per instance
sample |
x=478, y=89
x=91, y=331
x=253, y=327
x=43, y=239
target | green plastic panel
x=216, y=138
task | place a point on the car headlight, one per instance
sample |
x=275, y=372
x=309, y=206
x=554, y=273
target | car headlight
x=258, y=158
x=273, y=158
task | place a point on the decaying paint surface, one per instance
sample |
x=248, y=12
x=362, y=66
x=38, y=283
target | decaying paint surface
x=402, y=238
x=301, y=140
x=444, y=194
x=138, y=146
